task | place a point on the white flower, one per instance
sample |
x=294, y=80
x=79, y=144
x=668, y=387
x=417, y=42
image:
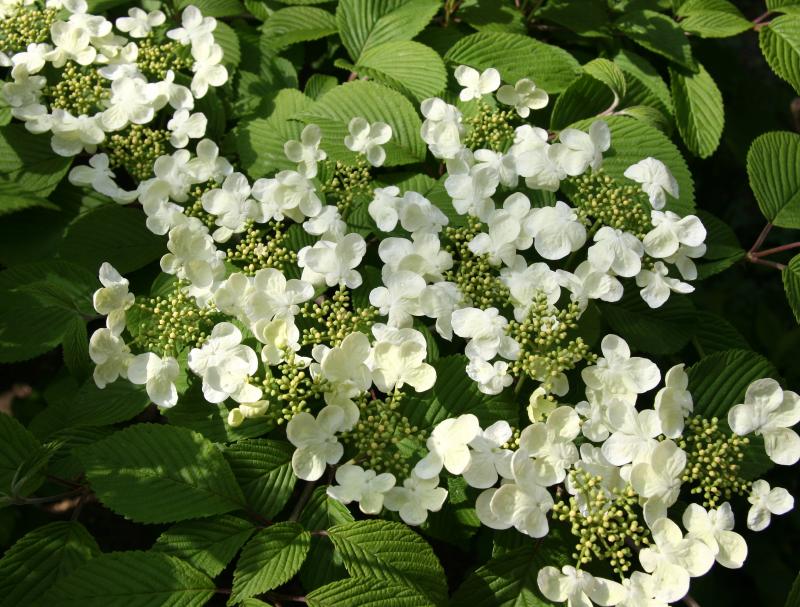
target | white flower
x=486, y=331
x=524, y=96
x=416, y=498
x=72, y=43
x=633, y=436
x=113, y=299
x=715, y=529
x=476, y=84
x=535, y=159
x=139, y=24
x=617, y=376
x=30, y=61
x=523, y=507
x=158, y=375
x=328, y=224
x=556, y=230
x=674, y=402
x=588, y=283
x=73, y=6
x=278, y=336
x=673, y=559
x=131, y=101
x=770, y=411
x=617, y=251
x=656, y=179
x=546, y=449
x=333, y=263
x=73, y=135
x=442, y=128
x=657, y=478
x=289, y=194
x=315, y=441
x=225, y=364
x=306, y=152
x=111, y=356
x=492, y=378
x=577, y=151
x=765, y=502
x=578, y=588
x=193, y=257
x=640, y=591
x=670, y=231
x=413, y=211
x=368, y=138
x=422, y=255
x=527, y=282
x=470, y=187
x=683, y=260
x=488, y=458
x=501, y=167
x=207, y=69
x=399, y=298
x=272, y=295
x=99, y=176
x=510, y=230
x=447, y=446
x=208, y=164
x=195, y=26
x=232, y=206
x=596, y=425
x=439, y=301
x=184, y=126
x=363, y=486
x=398, y=358
x=657, y=286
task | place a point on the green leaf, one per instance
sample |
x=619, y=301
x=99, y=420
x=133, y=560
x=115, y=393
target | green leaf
x=587, y=96
x=409, y=67
x=374, y=102
x=644, y=84
x=263, y=469
x=213, y=8
x=270, y=559
x=780, y=43
x=649, y=115
x=32, y=565
x=665, y=330
x=114, y=234
x=791, y=285
x=13, y=200
x=228, y=39
x=492, y=17
x=609, y=73
x=383, y=550
x=658, y=34
x=322, y=512
x=367, y=23
x=723, y=249
x=161, y=474
x=454, y=394
x=719, y=381
x=699, y=111
x=123, y=579
x=206, y=544
x=712, y=18
x=508, y=580
x=363, y=592
x=324, y=564
x=294, y=24
x=28, y=163
x=319, y=84
x=587, y=18
x=516, y=57
x=773, y=166
x=793, y=600
x=632, y=140
x=713, y=334
x=17, y=445
x=76, y=349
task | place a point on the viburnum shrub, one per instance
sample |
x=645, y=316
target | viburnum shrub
x=445, y=298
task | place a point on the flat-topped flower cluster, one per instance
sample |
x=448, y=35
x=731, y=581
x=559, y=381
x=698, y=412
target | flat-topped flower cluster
x=504, y=270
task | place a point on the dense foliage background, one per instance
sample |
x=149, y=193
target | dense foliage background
x=746, y=302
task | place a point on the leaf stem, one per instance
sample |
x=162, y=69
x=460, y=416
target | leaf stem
x=294, y=598
x=760, y=19
x=765, y=262
x=761, y=237
x=780, y=249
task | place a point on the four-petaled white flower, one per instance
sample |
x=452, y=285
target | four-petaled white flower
x=442, y=128
x=770, y=411
x=416, y=498
x=138, y=23
x=447, y=446
x=486, y=331
x=185, y=126
x=99, y=176
x=524, y=96
x=363, y=486
x=618, y=376
x=577, y=151
x=715, y=529
x=657, y=285
x=546, y=449
x=674, y=402
x=368, y=139
x=398, y=358
x=658, y=478
x=315, y=442
x=766, y=501
x=306, y=151
x=633, y=436
x=492, y=378
x=488, y=458
x=110, y=355
x=476, y=84
x=333, y=263
x=671, y=231
x=195, y=28
x=399, y=298
x=232, y=206
x=578, y=588
x=556, y=230
x=656, y=179
x=113, y=299
x=617, y=251
x=158, y=375
x=523, y=507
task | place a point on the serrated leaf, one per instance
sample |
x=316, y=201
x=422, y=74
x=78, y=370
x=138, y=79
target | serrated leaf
x=723, y=248
x=699, y=111
x=321, y=512
x=37, y=560
x=123, y=579
x=228, y=39
x=374, y=102
x=588, y=18
x=383, y=550
x=213, y=8
x=714, y=334
x=161, y=474
x=454, y=394
x=319, y=84
x=16, y=446
x=493, y=17
x=75, y=348
x=645, y=85
x=712, y=18
x=665, y=330
x=587, y=96
x=366, y=23
x=206, y=544
x=363, y=592
x=294, y=24
x=773, y=166
x=271, y=558
x=114, y=234
x=780, y=43
x=516, y=57
x=28, y=163
x=609, y=74
x=12, y=201
x=657, y=33
x=263, y=469
x=649, y=115
x=791, y=285
x=409, y=67
x=632, y=140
